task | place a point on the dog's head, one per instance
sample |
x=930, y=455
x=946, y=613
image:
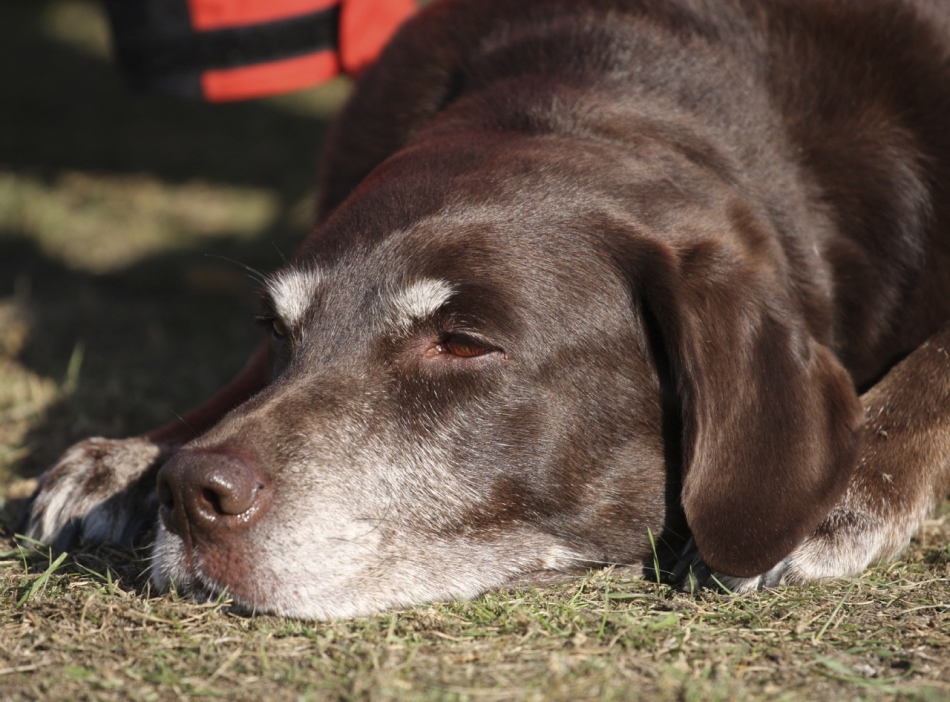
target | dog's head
x=507, y=356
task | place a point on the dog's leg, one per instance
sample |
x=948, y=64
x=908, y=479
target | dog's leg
x=103, y=490
x=902, y=475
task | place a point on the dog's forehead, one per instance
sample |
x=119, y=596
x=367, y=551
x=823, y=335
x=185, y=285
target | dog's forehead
x=484, y=267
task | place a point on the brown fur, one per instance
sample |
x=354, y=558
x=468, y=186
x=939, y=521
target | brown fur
x=683, y=233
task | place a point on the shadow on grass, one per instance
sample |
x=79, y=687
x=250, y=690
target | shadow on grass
x=161, y=334
x=65, y=109
x=154, y=339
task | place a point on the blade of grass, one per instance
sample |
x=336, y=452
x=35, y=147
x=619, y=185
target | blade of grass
x=41, y=581
x=821, y=632
x=74, y=367
x=656, y=558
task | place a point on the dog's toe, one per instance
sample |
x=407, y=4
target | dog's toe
x=100, y=491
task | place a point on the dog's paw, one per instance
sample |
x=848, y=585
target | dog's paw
x=100, y=491
x=845, y=544
x=848, y=541
x=777, y=575
x=691, y=573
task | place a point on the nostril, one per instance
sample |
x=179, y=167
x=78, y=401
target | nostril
x=212, y=498
x=228, y=487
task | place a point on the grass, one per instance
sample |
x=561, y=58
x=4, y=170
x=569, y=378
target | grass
x=84, y=627
x=119, y=306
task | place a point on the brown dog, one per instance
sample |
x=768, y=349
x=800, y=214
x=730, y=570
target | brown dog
x=586, y=273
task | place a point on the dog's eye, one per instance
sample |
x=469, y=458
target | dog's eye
x=278, y=329
x=458, y=346
x=464, y=348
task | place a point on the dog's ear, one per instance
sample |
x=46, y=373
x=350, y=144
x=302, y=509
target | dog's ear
x=771, y=423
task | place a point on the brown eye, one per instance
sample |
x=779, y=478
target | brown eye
x=459, y=346
x=463, y=348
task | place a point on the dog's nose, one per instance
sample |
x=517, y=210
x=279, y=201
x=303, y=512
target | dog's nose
x=201, y=492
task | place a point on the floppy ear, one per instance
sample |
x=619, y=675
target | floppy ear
x=771, y=423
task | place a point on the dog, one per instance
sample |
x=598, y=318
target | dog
x=589, y=279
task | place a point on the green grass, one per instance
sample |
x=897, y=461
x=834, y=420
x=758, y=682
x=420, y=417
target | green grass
x=120, y=305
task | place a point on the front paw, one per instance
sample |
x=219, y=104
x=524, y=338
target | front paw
x=691, y=573
x=843, y=545
x=100, y=491
x=848, y=541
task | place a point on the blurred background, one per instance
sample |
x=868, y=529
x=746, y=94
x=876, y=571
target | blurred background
x=125, y=226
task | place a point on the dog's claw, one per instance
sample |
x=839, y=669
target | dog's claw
x=100, y=491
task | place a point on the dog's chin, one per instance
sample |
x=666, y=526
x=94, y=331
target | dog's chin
x=185, y=569
x=207, y=573
x=173, y=568
x=255, y=585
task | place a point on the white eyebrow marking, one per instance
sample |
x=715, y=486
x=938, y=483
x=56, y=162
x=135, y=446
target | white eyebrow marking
x=292, y=292
x=419, y=300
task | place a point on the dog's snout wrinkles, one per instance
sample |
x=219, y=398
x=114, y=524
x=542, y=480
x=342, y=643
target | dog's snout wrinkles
x=201, y=492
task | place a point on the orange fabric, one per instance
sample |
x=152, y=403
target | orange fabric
x=221, y=14
x=366, y=26
x=271, y=78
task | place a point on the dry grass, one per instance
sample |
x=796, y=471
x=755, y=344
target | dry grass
x=113, y=316
x=83, y=627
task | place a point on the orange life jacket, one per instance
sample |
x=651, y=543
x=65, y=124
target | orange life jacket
x=220, y=50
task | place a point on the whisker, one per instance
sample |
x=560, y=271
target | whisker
x=256, y=275
x=279, y=252
x=184, y=421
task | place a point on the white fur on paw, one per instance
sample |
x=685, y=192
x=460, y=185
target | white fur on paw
x=772, y=578
x=692, y=573
x=850, y=541
x=100, y=491
x=845, y=544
